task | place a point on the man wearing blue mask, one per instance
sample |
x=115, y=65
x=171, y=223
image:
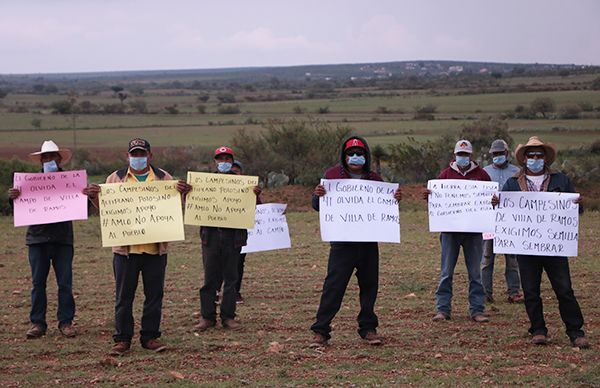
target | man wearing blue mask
x=346, y=257
x=221, y=250
x=129, y=261
x=536, y=157
x=472, y=243
x=50, y=245
x=500, y=170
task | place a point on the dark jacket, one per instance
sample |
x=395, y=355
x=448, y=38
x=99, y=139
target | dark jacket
x=340, y=171
x=240, y=236
x=474, y=173
x=57, y=233
x=555, y=182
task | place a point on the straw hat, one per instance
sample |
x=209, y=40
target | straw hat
x=50, y=146
x=534, y=141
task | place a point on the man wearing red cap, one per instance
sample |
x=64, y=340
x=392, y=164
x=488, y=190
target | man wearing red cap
x=221, y=249
x=344, y=257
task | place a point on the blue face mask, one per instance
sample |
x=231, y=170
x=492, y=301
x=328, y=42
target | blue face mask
x=357, y=160
x=138, y=163
x=499, y=160
x=50, y=166
x=535, y=165
x=224, y=166
x=463, y=161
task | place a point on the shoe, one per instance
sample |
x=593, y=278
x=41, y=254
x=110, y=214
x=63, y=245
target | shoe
x=441, y=317
x=68, y=330
x=239, y=299
x=154, y=345
x=204, y=325
x=319, y=341
x=231, y=324
x=581, y=343
x=489, y=299
x=373, y=339
x=516, y=298
x=36, y=331
x=539, y=339
x=480, y=318
x=120, y=348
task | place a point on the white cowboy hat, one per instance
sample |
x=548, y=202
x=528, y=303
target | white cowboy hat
x=50, y=146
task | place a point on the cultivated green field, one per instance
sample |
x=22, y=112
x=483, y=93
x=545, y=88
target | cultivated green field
x=282, y=290
x=356, y=109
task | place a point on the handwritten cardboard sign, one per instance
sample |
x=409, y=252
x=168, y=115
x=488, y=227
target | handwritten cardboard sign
x=140, y=213
x=270, y=230
x=457, y=205
x=537, y=223
x=50, y=197
x=359, y=210
x=221, y=200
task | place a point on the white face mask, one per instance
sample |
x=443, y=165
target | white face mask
x=224, y=166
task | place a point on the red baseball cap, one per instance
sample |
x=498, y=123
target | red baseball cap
x=354, y=143
x=223, y=150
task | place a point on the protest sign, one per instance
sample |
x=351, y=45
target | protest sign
x=359, y=210
x=457, y=205
x=221, y=200
x=50, y=197
x=270, y=230
x=537, y=223
x=140, y=213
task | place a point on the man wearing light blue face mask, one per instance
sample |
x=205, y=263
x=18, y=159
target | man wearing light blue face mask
x=451, y=242
x=221, y=250
x=536, y=157
x=149, y=260
x=50, y=245
x=500, y=170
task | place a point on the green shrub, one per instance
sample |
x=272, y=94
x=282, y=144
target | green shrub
x=7, y=168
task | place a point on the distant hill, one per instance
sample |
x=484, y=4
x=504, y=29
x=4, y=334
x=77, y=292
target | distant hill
x=377, y=70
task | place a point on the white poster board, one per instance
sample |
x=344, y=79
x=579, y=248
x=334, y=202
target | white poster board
x=537, y=223
x=359, y=210
x=270, y=230
x=460, y=205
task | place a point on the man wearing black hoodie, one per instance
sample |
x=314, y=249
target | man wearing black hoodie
x=344, y=257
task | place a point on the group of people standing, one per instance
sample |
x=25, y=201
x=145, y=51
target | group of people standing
x=52, y=245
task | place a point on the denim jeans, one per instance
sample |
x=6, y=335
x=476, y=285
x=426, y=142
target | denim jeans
x=220, y=259
x=127, y=270
x=60, y=256
x=343, y=259
x=238, y=284
x=511, y=271
x=472, y=244
x=557, y=269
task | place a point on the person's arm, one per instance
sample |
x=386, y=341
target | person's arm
x=317, y=194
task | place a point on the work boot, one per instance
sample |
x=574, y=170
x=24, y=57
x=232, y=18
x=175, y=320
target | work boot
x=120, y=348
x=204, y=325
x=319, y=341
x=154, y=345
x=68, y=330
x=36, y=331
x=373, y=339
x=581, y=343
x=231, y=324
x=539, y=339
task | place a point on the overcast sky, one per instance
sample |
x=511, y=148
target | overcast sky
x=38, y=36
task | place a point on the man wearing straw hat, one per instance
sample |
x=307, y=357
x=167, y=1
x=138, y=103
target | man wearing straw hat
x=50, y=244
x=536, y=157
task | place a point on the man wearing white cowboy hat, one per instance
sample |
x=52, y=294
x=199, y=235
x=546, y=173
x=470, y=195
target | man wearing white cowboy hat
x=50, y=244
x=536, y=157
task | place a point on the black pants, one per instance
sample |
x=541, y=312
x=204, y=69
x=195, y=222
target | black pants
x=238, y=284
x=343, y=259
x=127, y=270
x=220, y=258
x=557, y=269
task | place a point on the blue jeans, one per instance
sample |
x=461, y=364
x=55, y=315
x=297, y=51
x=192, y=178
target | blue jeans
x=60, y=256
x=511, y=271
x=557, y=269
x=472, y=244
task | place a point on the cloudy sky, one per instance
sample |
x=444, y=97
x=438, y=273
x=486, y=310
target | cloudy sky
x=38, y=36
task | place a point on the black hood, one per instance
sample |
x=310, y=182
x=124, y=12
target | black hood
x=367, y=166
